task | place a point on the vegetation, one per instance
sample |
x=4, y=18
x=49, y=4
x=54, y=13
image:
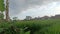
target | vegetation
x=50, y=26
x=2, y=6
x=7, y=10
x=30, y=27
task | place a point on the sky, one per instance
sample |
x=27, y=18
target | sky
x=34, y=8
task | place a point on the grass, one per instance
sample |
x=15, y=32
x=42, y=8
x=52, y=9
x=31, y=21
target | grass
x=51, y=26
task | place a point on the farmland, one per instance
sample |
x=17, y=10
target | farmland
x=51, y=26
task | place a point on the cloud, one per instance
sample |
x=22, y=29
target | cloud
x=22, y=8
x=20, y=5
x=50, y=10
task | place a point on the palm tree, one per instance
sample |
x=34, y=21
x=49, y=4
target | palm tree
x=7, y=10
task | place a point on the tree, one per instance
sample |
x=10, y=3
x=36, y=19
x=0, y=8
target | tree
x=2, y=5
x=28, y=18
x=15, y=18
x=1, y=16
x=7, y=10
x=2, y=8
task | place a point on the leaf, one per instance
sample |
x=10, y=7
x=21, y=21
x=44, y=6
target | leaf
x=2, y=5
x=27, y=32
x=1, y=16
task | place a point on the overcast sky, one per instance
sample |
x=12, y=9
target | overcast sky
x=34, y=8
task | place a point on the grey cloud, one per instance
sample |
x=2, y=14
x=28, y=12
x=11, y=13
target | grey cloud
x=18, y=5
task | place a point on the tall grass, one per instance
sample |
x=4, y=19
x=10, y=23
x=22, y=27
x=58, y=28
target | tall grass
x=51, y=26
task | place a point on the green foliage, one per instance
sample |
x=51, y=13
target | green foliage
x=2, y=6
x=51, y=26
x=27, y=32
x=1, y=16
